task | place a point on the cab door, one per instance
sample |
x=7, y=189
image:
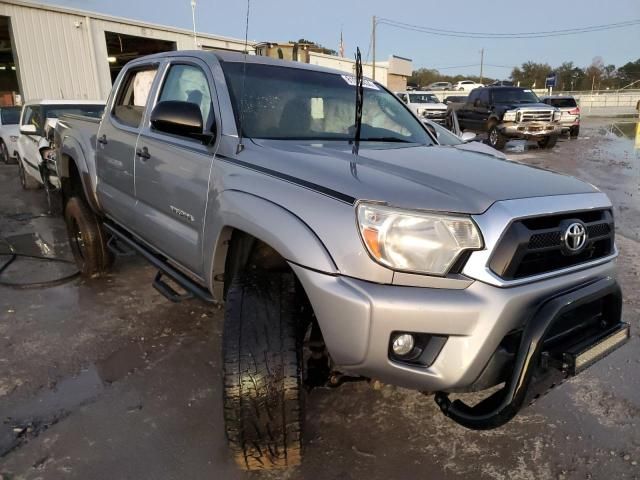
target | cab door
x=117, y=139
x=172, y=171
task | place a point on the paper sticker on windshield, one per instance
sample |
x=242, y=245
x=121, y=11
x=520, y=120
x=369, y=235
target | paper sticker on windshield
x=528, y=91
x=351, y=80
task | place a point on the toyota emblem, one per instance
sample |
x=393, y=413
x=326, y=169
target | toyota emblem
x=575, y=237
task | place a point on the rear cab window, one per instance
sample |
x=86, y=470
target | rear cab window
x=562, y=102
x=132, y=97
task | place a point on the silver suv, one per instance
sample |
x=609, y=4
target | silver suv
x=421, y=265
x=570, y=113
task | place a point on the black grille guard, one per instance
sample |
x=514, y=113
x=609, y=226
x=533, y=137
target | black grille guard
x=500, y=407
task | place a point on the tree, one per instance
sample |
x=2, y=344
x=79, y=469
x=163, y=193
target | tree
x=628, y=73
x=325, y=50
x=531, y=74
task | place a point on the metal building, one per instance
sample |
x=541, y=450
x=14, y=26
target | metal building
x=60, y=53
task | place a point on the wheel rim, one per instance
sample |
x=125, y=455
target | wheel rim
x=493, y=136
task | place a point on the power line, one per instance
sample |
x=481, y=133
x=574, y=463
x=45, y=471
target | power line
x=490, y=35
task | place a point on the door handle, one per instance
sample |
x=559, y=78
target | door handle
x=103, y=140
x=143, y=154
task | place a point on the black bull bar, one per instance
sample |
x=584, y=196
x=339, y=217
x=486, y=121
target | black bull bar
x=500, y=407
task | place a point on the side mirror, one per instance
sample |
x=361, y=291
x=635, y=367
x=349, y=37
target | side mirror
x=467, y=137
x=180, y=118
x=29, y=129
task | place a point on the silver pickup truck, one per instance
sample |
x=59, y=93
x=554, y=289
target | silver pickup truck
x=417, y=264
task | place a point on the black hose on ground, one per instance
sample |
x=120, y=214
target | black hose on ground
x=13, y=256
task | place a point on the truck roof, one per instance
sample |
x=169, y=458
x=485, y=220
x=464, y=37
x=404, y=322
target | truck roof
x=227, y=56
x=64, y=102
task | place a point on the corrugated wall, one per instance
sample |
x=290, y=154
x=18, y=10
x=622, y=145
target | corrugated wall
x=54, y=59
x=63, y=55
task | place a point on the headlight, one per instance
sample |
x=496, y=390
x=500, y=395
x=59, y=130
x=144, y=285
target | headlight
x=13, y=138
x=509, y=116
x=415, y=241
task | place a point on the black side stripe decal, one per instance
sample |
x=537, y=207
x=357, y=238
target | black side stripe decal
x=298, y=181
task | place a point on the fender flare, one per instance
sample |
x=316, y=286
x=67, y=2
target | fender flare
x=273, y=224
x=70, y=151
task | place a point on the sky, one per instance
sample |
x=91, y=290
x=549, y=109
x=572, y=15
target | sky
x=283, y=20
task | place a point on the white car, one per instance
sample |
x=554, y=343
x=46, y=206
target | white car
x=9, y=131
x=467, y=85
x=424, y=105
x=34, y=146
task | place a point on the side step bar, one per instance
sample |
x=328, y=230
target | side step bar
x=192, y=288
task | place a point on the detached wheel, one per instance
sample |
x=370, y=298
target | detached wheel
x=496, y=139
x=263, y=394
x=574, y=131
x=86, y=238
x=548, y=142
x=26, y=180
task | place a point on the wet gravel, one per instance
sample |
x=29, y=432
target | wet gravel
x=105, y=379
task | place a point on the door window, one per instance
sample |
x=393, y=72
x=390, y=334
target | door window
x=484, y=98
x=187, y=83
x=133, y=95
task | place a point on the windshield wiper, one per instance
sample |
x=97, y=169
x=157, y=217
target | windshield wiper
x=359, y=102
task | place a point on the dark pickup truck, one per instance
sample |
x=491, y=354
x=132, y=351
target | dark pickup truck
x=510, y=112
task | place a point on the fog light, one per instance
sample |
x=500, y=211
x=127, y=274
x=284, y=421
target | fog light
x=403, y=344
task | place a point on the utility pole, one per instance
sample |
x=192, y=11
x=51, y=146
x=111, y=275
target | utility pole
x=373, y=47
x=193, y=17
x=481, y=63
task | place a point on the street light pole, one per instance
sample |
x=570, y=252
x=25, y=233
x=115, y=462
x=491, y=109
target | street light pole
x=481, y=63
x=193, y=17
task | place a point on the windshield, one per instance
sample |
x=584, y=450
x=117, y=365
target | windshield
x=514, y=95
x=54, y=111
x=10, y=115
x=423, y=98
x=297, y=104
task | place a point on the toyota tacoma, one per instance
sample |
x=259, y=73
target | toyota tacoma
x=343, y=240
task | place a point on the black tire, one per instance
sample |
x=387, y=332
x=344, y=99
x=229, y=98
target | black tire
x=574, y=131
x=263, y=393
x=27, y=181
x=548, y=142
x=87, y=239
x=4, y=152
x=496, y=139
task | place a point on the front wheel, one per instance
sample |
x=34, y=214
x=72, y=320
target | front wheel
x=548, y=142
x=496, y=139
x=4, y=151
x=263, y=408
x=26, y=180
x=86, y=238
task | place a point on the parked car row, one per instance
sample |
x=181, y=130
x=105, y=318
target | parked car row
x=26, y=134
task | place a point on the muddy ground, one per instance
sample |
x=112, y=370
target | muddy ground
x=105, y=379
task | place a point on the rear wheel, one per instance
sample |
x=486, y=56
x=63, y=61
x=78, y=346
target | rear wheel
x=574, y=131
x=263, y=394
x=496, y=139
x=4, y=152
x=548, y=142
x=26, y=180
x=86, y=238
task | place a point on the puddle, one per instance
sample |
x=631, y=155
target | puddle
x=34, y=244
x=29, y=418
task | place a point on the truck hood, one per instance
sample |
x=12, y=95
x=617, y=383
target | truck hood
x=409, y=176
x=528, y=106
x=432, y=106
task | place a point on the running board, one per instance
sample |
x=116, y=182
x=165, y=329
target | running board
x=192, y=288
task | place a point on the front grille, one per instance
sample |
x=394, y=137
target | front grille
x=535, y=245
x=536, y=115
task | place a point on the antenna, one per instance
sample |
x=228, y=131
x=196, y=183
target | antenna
x=359, y=102
x=240, y=146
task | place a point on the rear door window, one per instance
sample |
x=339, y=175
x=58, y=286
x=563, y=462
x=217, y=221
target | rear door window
x=132, y=97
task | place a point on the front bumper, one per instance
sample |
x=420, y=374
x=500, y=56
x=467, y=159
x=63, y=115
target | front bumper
x=530, y=129
x=357, y=319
